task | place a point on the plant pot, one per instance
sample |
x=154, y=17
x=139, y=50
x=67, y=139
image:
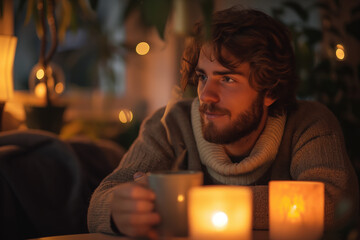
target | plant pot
x=48, y=118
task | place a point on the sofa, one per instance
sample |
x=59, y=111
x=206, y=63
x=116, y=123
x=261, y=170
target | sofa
x=46, y=182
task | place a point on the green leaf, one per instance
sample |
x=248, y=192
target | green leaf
x=322, y=5
x=65, y=18
x=355, y=10
x=93, y=4
x=73, y=15
x=337, y=3
x=333, y=30
x=207, y=8
x=155, y=13
x=298, y=9
x=313, y=35
x=30, y=11
x=130, y=7
x=277, y=13
x=1, y=8
x=21, y=6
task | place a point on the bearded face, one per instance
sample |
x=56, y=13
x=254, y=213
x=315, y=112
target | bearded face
x=241, y=126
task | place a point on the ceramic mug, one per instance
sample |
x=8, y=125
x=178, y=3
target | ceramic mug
x=171, y=190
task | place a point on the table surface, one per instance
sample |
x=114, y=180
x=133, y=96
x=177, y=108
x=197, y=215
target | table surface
x=257, y=235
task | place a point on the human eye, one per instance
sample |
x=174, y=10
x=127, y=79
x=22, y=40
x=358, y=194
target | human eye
x=201, y=77
x=228, y=79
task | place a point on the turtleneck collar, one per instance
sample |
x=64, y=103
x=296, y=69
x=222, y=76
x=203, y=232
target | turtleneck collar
x=251, y=168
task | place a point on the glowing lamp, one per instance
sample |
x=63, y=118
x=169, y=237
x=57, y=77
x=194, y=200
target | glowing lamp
x=7, y=55
x=220, y=212
x=296, y=210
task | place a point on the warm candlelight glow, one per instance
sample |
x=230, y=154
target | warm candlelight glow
x=296, y=210
x=220, y=212
x=7, y=55
x=219, y=219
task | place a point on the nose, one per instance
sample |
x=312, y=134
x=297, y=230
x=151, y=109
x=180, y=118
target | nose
x=208, y=92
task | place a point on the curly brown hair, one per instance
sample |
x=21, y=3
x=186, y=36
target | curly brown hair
x=254, y=37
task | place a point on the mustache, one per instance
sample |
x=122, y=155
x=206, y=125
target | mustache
x=210, y=107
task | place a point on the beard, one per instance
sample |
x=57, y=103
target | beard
x=244, y=124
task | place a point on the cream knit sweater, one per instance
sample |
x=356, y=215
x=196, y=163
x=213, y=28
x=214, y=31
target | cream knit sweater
x=250, y=169
x=307, y=145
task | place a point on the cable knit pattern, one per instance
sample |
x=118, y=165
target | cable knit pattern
x=251, y=168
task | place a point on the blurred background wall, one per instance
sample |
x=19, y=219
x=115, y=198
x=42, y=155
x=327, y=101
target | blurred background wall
x=105, y=77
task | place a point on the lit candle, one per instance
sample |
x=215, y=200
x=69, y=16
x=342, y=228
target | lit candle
x=296, y=210
x=220, y=212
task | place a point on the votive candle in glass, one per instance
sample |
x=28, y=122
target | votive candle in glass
x=296, y=210
x=220, y=212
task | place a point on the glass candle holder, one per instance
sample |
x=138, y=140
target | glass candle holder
x=296, y=210
x=220, y=212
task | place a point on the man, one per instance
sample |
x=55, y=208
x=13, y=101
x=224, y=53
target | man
x=244, y=128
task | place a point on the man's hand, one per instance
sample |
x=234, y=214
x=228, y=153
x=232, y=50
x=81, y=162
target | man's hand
x=132, y=208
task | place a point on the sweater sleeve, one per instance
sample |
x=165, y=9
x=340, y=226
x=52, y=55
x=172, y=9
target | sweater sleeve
x=151, y=150
x=319, y=154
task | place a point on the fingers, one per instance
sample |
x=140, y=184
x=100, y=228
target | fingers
x=132, y=191
x=132, y=209
x=143, y=231
x=137, y=220
x=140, y=206
x=136, y=224
x=141, y=178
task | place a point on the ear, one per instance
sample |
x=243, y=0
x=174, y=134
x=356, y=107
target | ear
x=268, y=101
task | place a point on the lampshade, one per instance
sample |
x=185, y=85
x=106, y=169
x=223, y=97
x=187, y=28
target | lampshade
x=7, y=55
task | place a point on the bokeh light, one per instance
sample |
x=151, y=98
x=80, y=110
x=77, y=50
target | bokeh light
x=59, y=88
x=340, y=52
x=40, y=73
x=125, y=116
x=142, y=48
x=180, y=198
x=40, y=90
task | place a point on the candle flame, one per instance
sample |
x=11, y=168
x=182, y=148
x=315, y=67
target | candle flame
x=219, y=219
x=294, y=208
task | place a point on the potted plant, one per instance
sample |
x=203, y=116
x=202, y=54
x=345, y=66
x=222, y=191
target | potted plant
x=46, y=80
